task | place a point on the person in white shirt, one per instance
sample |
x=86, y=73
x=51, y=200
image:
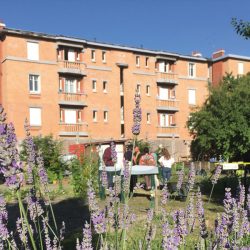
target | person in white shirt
x=166, y=162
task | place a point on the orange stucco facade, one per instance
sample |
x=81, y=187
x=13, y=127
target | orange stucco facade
x=83, y=91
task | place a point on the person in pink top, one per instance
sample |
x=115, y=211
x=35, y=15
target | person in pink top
x=147, y=159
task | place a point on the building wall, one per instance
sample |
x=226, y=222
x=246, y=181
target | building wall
x=17, y=99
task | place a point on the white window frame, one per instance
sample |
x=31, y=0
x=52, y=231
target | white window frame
x=138, y=88
x=105, y=86
x=192, y=96
x=163, y=90
x=191, y=69
x=94, y=115
x=240, y=68
x=105, y=116
x=31, y=89
x=148, y=90
x=148, y=118
x=137, y=61
x=71, y=85
x=33, y=51
x=35, y=116
x=104, y=56
x=94, y=85
x=164, y=120
x=93, y=56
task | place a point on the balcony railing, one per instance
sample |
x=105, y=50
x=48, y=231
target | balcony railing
x=167, y=77
x=71, y=67
x=77, y=129
x=169, y=104
x=72, y=98
x=169, y=131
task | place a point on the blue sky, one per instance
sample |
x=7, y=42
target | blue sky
x=179, y=26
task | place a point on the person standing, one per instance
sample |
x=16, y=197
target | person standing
x=166, y=162
x=107, y=159
x=147, y=159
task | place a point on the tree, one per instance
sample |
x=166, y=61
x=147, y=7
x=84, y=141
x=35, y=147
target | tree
x=51, y=150
x=222, y=125
x=241, y=27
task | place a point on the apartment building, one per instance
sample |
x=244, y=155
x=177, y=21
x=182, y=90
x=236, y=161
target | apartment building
x=83, y=91
x=232, y=64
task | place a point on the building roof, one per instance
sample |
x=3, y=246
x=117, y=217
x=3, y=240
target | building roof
x=99, y=44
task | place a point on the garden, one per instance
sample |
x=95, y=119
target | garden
x=47, y=203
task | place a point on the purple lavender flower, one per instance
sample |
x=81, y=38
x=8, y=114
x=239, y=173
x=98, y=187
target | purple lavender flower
x=10, y=165
x=22, y=231
x=248, y=201
x=113, y=152
x=4, y=233
x=137, y=115
x=180, y=227
x=34, y=207
x=201, y=216
x=46, y=234
x=216, y=175
x=191, y=176
x=125, y=217
x=104, y=177
x=97, y=216
x=126, y=177
x=168, y=241
x=87, y=238
x=31, y=152
x=241, y=200
x=180, y=179
x=165, y=195
x=42, y=173
x=190, y=213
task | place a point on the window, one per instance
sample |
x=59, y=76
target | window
x=79, y=116
x=148, y=90
x=70, y=116
x=137, y=61
x=163, y=93
x=94, y=85
x=164, y=121
x=103, y=56
x=94, y=115
x=240, y=68
x=35, y=117
x=191, y=70
x=33, y=50
x=148, y=118
x=105, y=116
x=172, y=94
x=70, y=86
x=104, y=86
x=34, y=84
x=138, y=88
x=93, y=55
x=146, y=61
x=192, y=96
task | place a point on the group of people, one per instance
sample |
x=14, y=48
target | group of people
x=160, y=159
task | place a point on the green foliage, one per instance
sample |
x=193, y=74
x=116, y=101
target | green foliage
x=82, y=171
x=241, y=27
x=51, y=150
x=222, y=125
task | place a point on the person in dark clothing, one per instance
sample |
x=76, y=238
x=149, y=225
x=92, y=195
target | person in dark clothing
x=128, y=153
x=107, y=159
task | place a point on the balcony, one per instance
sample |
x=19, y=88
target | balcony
x=68, y=67
x=167, y=78
x=167, y=132
x=167, y=105
x=78, y=129
x=76, y=99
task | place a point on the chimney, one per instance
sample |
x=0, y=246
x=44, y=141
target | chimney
x=218, y=53
x=2, y=24
x=196, y=53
